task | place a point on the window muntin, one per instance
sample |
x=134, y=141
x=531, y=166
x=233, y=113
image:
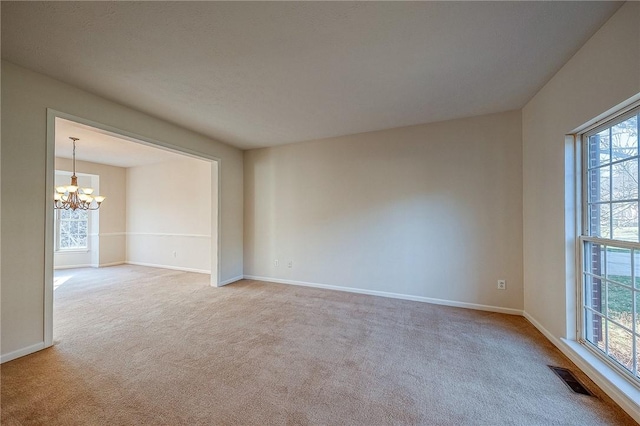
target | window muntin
x=72, y=229
x=611, y=243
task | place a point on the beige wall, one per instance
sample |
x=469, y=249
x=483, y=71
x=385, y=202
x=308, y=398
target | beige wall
x=169, y=214
x=604, y=73
x=26, y=95
x=112, y=214
x=431, y=211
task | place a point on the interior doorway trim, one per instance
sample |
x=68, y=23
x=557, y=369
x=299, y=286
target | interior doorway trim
x=52, y=114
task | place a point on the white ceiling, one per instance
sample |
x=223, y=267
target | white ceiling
x=103, y=147
x=258, y=74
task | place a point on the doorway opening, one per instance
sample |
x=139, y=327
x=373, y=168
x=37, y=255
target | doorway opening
x=161, y=208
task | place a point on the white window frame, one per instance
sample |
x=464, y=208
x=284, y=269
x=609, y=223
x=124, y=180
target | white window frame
x=584, y=237
x=75, y=249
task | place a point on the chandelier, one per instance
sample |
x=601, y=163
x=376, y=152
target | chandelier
x=72, y=197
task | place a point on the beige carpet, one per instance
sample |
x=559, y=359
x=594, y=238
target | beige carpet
x=138, y=345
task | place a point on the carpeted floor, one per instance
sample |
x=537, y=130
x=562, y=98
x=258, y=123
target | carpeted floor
x=138, y=345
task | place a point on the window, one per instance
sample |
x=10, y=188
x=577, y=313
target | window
x=610, y=290
x=72, y=229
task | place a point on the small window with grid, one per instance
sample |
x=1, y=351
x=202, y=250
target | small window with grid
x=72, y=227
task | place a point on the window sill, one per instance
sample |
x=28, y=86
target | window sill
x=612, y=383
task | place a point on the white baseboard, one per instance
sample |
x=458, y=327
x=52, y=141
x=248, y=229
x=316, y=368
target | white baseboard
x=230, y=280
x=542, y=330
x=21, y=352
x=86, y=265
x=622, y=392
x=89, y=265
x=175, y=268
x=104, y=265
x=444, y=302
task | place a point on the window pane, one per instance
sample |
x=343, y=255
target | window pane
x=594, y=260
x=619, y=265
x=625, y=180
x=636, y=268
x=594, y=293
x=624, y=139
x=621, y=346
x=638, y=356
x=64, y=241
x=64, y=227
x=619, y=304
x=637, y=293
x=600, y=220
x=599, y=149
x=624, y=218
x=594, y=329
x=599, y=186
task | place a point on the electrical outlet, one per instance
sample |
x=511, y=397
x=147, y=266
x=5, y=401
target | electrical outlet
x=276, y=263
x=502, y=284
x=290, y=265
